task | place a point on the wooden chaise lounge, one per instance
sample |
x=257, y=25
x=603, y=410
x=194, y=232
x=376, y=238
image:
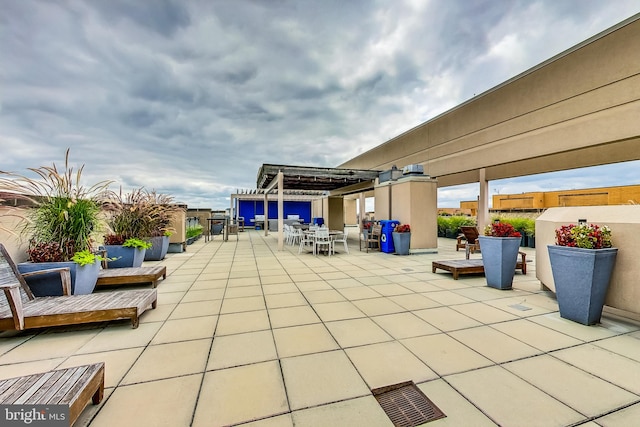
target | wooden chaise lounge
x=22, y=310
x=73, y=387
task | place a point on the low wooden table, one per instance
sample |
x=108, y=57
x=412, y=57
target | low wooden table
x=459, y=266
x=74, y=387
x=131, y=276
x=471, y=266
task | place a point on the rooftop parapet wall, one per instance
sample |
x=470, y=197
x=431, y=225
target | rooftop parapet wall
x=624, y=220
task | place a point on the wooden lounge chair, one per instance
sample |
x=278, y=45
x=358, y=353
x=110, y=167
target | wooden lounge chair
x=468, y=238
x=131, y=276
x=372, y=240
x=22, y=310
x=73, y=387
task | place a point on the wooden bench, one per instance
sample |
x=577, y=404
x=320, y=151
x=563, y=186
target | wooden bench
x=73, y=387
x=132, y=275
x=471, y=266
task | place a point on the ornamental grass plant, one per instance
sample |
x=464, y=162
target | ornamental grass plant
x=59, y=215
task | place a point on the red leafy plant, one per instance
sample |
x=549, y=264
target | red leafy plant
x=402, y=228
x=501, y=229
x=584, y=236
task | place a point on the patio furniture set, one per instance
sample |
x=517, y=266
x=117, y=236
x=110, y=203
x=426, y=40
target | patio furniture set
x=21, y=310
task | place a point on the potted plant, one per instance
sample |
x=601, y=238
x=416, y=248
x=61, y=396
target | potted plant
x=402, y=238
x=582, y=261
x=60, y=217
x=499, y=247
x=160, y=210
x=125, y=253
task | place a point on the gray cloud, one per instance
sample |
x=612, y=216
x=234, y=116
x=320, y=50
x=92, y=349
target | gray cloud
x=191, y=97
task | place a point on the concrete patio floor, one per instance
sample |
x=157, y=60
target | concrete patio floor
x=244, y=334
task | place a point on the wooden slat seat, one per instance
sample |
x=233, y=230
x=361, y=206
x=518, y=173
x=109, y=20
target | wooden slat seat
x=471, y=266
x=73, y=387
x=132, y=276
x=22, y=310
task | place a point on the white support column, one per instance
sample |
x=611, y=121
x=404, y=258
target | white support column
x=266, y=213
x=362, y=210
x=280, y=211
x=483, y=201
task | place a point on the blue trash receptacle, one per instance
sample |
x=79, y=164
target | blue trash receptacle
x=386, y=238
x=318, y=221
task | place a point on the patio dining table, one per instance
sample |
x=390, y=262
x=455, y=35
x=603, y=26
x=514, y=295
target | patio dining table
x=312, y=235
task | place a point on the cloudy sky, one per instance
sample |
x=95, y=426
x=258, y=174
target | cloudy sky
x=190, y=97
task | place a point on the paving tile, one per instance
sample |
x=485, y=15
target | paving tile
x=186, y=310
x=484, y=313
x=231, y=350
x=169, y=297
x=510, y=305
x=29, y=368
x=279, y=288
x=243, y=291
x=321, y=378
x=476, y=293
x=292, y=316
x=116, y=337
x=337, y=311
x=237, y=323
x=391, y=289
x=421, y=286
x=202, y=295
x=378, y=306
x=201, y=284
x=404, y=325
x=240, y=304
x=445, y=355
x=354, y=332
x=277, y=421
x=158, y=361
x=244, y=281
x=511, y=401
x=159, y=314
x=536, y=335
x=623, y=418
x=446, y=319
x=619, y=370
x=49, y=345
x=299, y=340
x=625, y=345
x=343, y=283
x=362, y=411
x=577, y=389
x=449, y=298
x=186, y=329
x=245, y=393
x=151, y=401
x=458, y=410
x=325, y=295
x=388, y=363
x=291, y=299
x=414, y=301
x=117, y=363
x=358, y=292
x=576, y=330
x=493, y=344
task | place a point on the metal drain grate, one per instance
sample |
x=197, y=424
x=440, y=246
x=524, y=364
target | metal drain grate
x=407, y=269
x=406, y=405
x=520, y=307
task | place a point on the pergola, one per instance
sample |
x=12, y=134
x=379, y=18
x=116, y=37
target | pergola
x=334, y=181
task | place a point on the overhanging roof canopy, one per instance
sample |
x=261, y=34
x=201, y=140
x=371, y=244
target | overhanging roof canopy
x=313, y=178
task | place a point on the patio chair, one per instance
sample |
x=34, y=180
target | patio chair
x=469, y=239
x=73, y=387
x=372, y=240
x=22, y=310
x=307, y=239
x=342, y=238
x=323, y=239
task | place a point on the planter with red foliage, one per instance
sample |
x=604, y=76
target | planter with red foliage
x=499, y=247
